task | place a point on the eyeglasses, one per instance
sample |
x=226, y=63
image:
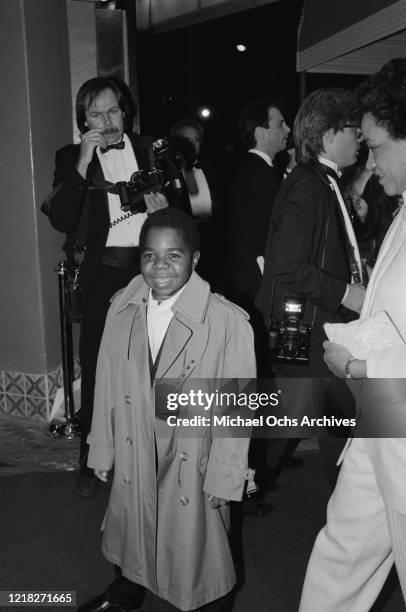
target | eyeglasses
x=356, y=130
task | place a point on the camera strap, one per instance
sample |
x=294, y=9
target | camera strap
x=81, y=248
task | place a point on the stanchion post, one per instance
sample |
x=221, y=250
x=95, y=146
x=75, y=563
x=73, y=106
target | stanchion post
x=70, y=428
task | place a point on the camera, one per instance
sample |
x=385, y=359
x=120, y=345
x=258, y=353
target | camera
x=170, y=156
x=289, y=339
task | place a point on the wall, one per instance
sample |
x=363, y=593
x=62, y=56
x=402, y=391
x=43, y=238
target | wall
x=36, y=120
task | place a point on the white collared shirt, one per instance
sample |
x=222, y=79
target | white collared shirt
x=264, y=156
x=330, y=164
x=119, y=165
x=159, y=315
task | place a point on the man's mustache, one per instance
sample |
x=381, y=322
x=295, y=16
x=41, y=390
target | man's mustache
x=110, y=130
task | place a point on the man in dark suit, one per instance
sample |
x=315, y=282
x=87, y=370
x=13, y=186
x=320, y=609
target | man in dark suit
x=311, y=250
x=253, y=190
x=94, y=217
x=251, y=198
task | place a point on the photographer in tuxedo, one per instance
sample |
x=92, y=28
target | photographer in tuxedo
x=108, y=151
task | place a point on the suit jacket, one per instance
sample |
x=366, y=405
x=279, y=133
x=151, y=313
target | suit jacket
x=251, y=198
x=65, y=204
x=303, y=259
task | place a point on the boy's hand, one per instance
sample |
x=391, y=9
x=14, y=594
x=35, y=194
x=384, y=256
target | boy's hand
x=216, y=502
x=101, y=475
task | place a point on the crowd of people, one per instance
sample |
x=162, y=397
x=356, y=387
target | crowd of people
x=317, y=241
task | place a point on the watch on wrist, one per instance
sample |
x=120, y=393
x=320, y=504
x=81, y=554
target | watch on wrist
x=347, y=368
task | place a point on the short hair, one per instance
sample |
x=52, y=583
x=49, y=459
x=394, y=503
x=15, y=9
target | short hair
x=383, y=95
x=175, y=219
x=92, y=88
x=186, y=122
x=255, y=114
x=322, y=110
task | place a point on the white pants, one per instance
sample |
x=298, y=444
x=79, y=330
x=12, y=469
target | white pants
x=354, y=552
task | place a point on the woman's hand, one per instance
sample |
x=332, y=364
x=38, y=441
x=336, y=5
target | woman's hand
x=336, y=357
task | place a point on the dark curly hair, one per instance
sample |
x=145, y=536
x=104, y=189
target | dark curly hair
x=256, y=115
x=175, y=219
x=92, y=88
x=322, y=110
x=383, y=95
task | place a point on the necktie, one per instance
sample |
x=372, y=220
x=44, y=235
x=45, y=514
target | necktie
x=117, y=145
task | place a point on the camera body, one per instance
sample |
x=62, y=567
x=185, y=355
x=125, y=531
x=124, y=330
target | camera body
x=170, y=156
x=289, y=339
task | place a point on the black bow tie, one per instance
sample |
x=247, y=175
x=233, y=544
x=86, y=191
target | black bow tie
x=117, y=145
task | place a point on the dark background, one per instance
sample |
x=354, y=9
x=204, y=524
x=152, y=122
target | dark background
x=182, y=70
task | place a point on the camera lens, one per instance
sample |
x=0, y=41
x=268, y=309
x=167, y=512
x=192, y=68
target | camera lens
x=290, y=346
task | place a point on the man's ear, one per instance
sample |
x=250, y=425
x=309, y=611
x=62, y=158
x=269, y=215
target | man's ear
x=258, y=133
x=195, y=259
x=329, y=135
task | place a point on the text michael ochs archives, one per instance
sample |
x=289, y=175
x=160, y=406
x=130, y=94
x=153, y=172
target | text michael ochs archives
x=224, y=405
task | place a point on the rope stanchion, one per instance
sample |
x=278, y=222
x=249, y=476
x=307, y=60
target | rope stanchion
x=70, y=428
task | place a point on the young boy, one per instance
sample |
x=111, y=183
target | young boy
x=166, y=523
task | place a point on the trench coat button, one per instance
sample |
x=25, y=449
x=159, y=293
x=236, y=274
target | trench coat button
x=184, y=500
x=127, y=399
x=183, y=456
x=129, y=440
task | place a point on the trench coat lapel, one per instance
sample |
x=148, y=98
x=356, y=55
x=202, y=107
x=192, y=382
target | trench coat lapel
x=187, y=332
x=177, y=337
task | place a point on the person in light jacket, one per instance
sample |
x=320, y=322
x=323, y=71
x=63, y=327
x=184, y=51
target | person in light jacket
x=166, y=525
x=366, y=518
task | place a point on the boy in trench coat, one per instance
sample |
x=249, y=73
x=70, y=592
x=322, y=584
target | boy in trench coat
x=166, y=525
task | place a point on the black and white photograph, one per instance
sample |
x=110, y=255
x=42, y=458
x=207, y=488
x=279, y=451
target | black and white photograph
x=203, y=323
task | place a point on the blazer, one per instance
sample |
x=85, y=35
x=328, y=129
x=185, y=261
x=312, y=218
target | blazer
x=306, y=256
x=66, y=203
x=251, y=198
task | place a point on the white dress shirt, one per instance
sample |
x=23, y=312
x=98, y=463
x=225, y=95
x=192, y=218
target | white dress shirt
x=119, y=165
x=159, y=315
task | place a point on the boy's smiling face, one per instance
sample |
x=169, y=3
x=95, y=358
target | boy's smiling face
x=166, y=261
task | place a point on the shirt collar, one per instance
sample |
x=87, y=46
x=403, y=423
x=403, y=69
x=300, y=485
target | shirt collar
x=264, y=156
x=192, y=300
x=168, y=303
x=330, y=164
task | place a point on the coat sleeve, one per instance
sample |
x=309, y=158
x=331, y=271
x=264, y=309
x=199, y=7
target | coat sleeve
x=64, y=204
x=101, y=437
x=387, y=363
x=228, y=459
x=291, y=248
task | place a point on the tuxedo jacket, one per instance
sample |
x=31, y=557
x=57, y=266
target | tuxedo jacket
x=66, y=203
x=307, y=256
x=251, y=198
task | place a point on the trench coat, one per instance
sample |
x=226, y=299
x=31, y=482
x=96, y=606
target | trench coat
x=159, y=525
